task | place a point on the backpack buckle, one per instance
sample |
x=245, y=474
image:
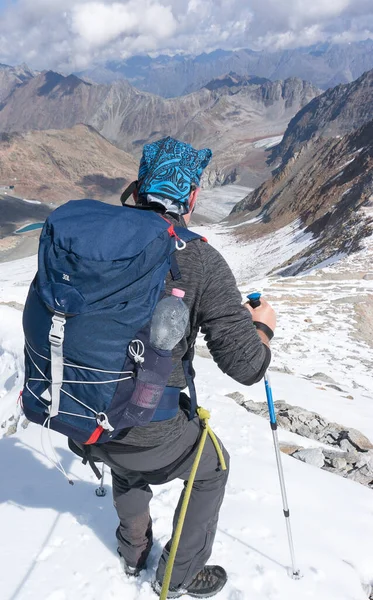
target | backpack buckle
x=57, y=331
x=103, y=421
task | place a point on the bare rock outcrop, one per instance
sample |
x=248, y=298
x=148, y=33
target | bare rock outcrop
x=350, y=454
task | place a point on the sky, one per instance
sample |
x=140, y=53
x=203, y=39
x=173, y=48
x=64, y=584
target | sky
x=76, y=34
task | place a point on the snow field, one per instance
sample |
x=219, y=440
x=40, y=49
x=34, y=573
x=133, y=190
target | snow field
x=60, y=539
x=63, y=536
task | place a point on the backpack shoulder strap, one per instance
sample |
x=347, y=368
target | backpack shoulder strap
x=187, y=362
x=187, y=235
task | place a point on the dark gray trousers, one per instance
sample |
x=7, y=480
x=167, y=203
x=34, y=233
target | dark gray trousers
x=133, y=472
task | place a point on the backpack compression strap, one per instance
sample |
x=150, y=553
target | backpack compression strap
x=56, y=337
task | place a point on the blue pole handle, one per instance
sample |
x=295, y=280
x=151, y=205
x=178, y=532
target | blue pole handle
x=254, y=299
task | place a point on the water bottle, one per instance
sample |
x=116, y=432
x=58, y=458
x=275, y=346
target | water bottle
x=169, y=321
x=168, y=325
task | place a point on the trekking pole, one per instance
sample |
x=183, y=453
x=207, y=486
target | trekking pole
x=254, y=301
x=101, y=491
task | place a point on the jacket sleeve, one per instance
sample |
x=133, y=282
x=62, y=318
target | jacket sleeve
x=227, y=325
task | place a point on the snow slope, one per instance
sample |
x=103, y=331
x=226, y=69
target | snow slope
x=318, y=312
x=269, y=142
x=60, y=541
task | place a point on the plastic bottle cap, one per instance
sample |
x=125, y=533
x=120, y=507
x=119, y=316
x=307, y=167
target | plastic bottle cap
x=178, y=293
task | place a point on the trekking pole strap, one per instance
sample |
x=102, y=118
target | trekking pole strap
x=204, y=417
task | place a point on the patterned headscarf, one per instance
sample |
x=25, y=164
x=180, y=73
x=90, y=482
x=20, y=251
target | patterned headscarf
x=168, y=168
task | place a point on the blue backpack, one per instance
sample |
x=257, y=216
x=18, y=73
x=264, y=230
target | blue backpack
x=90, y=371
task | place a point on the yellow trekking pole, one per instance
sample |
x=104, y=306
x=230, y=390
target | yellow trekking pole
x=204, y=416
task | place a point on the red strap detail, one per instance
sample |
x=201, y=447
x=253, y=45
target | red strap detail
x=171, y=229
x=204, y=239
x=95, y=435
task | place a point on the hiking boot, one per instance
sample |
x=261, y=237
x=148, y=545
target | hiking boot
x=130, y=571
x=207, y=583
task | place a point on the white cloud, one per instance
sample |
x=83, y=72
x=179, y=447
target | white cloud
x=71, y=34
x=97, y=23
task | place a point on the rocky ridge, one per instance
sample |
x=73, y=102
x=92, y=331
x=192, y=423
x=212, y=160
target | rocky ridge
x=328, y=187
x=13, y=77
x=325, y=181
x=230, y=121
x=334, y=113
x=232, y=80
x=326, y=65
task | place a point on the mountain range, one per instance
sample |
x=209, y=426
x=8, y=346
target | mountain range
x=321, y=181
x=230, y=117
x=325, y=65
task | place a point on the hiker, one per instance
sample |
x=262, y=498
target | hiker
x=168, y=182
x=92, y=374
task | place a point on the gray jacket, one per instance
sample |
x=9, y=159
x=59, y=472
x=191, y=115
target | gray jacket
x=215, y=306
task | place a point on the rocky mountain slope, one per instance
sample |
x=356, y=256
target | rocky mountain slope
x=326, y=65
x=56, y=165
x=327, y=188
x=230, y=119
x=323, y=183
x=338, y=111
x=12, y=77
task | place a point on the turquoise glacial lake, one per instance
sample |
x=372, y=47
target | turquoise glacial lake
x=30, y=227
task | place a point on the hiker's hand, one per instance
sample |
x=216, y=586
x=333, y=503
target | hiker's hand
x=263, y=313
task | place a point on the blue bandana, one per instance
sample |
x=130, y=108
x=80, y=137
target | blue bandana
x=167, y=170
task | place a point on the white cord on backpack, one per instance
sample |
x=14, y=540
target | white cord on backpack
x=73, y=365
x=136, y=349
x=57, y=463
